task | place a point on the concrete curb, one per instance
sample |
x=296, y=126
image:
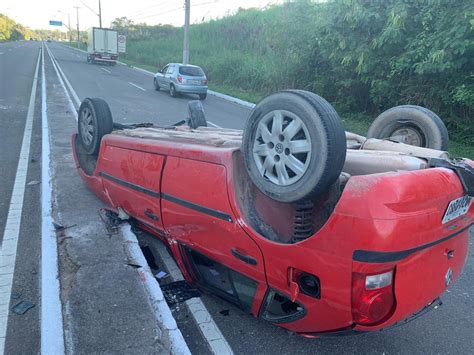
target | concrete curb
x=214, y=93
x=171, y=336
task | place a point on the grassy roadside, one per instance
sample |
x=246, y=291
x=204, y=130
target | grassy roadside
x=356, y=123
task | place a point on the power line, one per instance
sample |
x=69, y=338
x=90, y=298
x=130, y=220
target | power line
x=145, y=9
x=157, y=14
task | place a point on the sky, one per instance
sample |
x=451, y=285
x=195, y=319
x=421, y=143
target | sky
x=36, y=14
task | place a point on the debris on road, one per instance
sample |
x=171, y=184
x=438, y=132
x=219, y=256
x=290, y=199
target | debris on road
x=33, y=182
x=161, y=275
x=224, y=312
x=22, y=307
x=178, y=292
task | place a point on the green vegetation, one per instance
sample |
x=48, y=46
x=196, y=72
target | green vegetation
x=362, y=56
x=12, y=31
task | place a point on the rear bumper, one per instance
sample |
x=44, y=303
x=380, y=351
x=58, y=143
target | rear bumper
x=191, y=89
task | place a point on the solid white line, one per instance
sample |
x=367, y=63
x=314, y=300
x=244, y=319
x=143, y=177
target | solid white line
x=77, y=101
x=138, y=87
x=213, y=124
x=72, y=108
x=52, y=332
x=107, y=71
x=209, y=329
x=12, y=226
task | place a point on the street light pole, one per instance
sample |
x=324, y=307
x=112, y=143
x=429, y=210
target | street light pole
x=100, y=16
x=187, y=8
x=77, y=14
x=69, y=26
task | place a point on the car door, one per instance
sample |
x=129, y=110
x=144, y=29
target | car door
x=215, y=250
x=132, y=180
x=160, y=76
x=168, y=76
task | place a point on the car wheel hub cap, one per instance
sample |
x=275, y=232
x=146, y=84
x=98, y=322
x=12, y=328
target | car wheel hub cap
x=282, y=147
x=408, y=135
x=87, y=126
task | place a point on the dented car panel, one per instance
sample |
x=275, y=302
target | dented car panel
x=197, y=198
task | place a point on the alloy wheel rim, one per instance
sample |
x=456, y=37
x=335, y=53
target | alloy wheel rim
x=282, y=147
x=87, y=126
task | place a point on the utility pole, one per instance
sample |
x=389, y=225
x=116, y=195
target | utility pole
x=187, y=9
x=100, y=16
x=69, y=26
x=78, y=35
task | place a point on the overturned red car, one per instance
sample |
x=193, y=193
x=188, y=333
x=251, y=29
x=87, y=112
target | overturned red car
x=314, y=229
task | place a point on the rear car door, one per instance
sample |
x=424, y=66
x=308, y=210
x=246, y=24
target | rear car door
x=160, y=76
x=132, y=180
x=168, y=75
x=215, y=250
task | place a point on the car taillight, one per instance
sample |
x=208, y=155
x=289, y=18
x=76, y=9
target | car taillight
x=204, y=82
x=180, y=79
x=372, y=297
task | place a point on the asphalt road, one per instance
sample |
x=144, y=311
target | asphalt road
x=132, y=98
x=17, y=67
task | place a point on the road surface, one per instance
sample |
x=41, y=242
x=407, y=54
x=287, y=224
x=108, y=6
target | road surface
x=132, y=98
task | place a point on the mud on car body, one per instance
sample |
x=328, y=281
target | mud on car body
x=314, y=229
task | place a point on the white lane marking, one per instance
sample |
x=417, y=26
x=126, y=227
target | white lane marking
x=12, y=226
x=107, y=71
x=138, y=87
x=155, y=295
x=72, y=108
x=209, y=329
x=52, y=332
x=213, y=124
x=77, y=101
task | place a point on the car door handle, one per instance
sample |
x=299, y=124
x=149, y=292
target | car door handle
x=245, y=258
x=151, y=215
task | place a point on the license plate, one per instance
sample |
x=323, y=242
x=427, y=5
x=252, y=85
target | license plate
x=193, y=82
x=457, y=208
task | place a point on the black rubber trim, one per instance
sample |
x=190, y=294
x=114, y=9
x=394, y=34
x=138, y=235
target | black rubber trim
x=196, y=207
x=368, y=256
x=130, y=185
x=206, y=210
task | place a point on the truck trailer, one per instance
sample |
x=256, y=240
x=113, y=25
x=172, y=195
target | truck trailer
x=102, y=45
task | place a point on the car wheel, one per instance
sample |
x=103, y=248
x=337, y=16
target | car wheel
x=197, y=117
x=88, y=59
x=294, y=145
x=157, y=86
x=202, y=96
x=410, y=124
x=173, y=91
x=94, y=122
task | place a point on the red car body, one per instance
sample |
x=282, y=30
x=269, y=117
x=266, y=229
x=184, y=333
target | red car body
x=193, y=197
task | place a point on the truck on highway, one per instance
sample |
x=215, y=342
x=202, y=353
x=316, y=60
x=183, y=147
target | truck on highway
x=102, y=46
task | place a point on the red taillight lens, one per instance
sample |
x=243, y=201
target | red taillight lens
x=204, y=82
x=180, y=79
x=372, y=297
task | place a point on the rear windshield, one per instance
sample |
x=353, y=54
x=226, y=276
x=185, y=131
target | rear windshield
x=191, y=71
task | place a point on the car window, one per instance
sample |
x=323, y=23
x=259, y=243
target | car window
x=191, y=71
x=162, y=71
x=170, y=69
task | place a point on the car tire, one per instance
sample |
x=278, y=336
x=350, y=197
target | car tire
x=294, y=171
x=93, y=122
x=197, y=118
x=155, y=83
x=173, y=92
x=202, y=96
x=88, y=59
x=410, y=124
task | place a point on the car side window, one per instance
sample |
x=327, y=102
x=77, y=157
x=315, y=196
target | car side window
x=163, y=71
x=170, y=70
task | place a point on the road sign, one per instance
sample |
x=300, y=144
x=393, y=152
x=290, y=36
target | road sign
x=122, y=43
x=55, y=23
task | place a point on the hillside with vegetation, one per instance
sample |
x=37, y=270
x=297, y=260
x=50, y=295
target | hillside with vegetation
x=12, y=31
